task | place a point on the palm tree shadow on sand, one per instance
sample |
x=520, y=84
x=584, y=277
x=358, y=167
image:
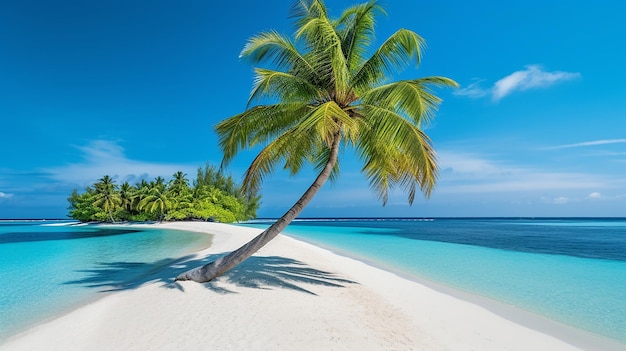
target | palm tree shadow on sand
x=259, y=272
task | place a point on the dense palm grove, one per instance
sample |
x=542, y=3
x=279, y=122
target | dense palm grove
x=213, y=196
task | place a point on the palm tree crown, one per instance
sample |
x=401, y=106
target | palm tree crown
x=322, y=90
x=106, y=196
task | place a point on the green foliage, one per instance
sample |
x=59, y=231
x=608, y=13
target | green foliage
x=214, y=196
x=327, y=84
x=81, y=206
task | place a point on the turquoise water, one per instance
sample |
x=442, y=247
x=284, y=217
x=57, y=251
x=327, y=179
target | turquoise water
x=48, y=269
x=569, y=270
x=572, y=271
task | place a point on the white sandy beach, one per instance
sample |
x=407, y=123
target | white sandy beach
x=291, y=295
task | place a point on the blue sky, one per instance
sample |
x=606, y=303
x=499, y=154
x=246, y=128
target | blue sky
x=133, y=89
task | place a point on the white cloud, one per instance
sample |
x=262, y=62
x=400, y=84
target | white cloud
x=590, y=143
x=530, y=78
x=560, y=200
x=5, y=195
x=102, y=150
x=460, y=163
x=473, y=90
x=464, y=173
x=103, y=157
x=535, y=182
x=594, y=195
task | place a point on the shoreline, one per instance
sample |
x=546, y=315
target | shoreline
x=296, y=294
x=565, y=332
x=73, y=299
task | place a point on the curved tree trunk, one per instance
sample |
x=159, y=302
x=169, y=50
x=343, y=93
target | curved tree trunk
x=220, y=266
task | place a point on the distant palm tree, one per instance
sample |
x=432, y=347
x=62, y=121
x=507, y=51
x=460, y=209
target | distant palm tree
x=156, y=201
x=179, y=192
x=140, y=190
x=330, y=96
x=158, y=182
x=106, y=195
x=127, y=193
x=179, y=184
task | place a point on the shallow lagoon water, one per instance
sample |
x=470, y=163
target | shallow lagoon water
x=49, y=269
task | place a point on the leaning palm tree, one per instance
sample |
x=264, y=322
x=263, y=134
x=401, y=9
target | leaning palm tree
x=329, y=97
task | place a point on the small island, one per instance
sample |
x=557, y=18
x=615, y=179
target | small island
x=213, y=196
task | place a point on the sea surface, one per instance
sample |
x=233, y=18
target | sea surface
x=569, y=270
x=48, y=267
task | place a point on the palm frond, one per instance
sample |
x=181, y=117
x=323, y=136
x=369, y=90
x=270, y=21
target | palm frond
x=290, y=147
x=262, y=165
x=328, y=119
x=411, y=98
x=275, y=50
x=283, y=87
x=356, y=29
x=256, y=125
x=395, y=54
x=396, y=153
x=326, y=55
x=302, y=10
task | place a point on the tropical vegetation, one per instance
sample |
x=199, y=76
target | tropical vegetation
x=212, y=196
x=324, y=92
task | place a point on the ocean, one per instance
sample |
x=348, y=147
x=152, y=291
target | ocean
x=569, y=270
x=48, y=267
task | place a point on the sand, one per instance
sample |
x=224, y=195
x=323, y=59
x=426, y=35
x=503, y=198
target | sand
x=292, y=295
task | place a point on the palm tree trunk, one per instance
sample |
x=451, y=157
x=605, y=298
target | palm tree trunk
x=220, y=266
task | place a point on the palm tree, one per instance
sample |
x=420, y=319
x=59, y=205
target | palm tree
x=127, y=194
x=158, y=182
x=139, y=193
x=156, y=201
x=107, y=197
x=179, y=185
x=179, y=192
x=329, y=97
